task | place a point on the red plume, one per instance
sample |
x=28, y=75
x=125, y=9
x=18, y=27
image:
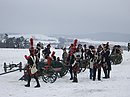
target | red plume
x=53, y=53
x=75, y=42
x=27, y=57
x=31, y=42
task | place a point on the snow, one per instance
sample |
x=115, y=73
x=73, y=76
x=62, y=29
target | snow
x=117, y=86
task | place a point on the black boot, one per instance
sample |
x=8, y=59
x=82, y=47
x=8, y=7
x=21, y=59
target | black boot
x=75, y=78
x=108, y=74
x=94, y=73
x=105, y=72
x=38, y=84
x=99, y=74
x=71, y=78
x=28, y=84
x=71, y=73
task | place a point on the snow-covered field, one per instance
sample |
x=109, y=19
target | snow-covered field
x=117, y=86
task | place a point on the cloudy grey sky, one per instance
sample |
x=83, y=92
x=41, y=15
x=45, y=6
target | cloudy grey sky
x=64, y=16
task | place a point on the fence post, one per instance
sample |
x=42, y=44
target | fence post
x=20, y=66
x=5, y=69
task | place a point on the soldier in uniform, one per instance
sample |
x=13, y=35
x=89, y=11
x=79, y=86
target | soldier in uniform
x=128, y=47
x=75, y=65
x=64, y=55
x=107, y=61
x=97, y=64
x=70, y=61
x=31, y=67
x=46, y=52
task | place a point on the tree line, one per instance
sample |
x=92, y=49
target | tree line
x=13, y=42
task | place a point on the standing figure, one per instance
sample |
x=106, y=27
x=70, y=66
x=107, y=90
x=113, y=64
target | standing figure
x=37, y=51
x=70, y=61
x=91, y=56
x=46, y=52
x=71, y=57
x=107, y=60
x=32, y=66
x=76, y=64
x=91, y=65
x=85, y=51
x=128, y=47
x=97, y=64
x=64, y=55
x=103, y=62
x=80, y=49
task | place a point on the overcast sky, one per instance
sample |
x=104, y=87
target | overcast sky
x=64, y=16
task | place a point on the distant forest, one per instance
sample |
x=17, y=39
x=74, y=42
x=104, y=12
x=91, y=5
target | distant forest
x=13, y=42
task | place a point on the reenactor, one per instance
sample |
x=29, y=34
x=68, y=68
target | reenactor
x=80, y=48
x=71, y=57
x=37, y=51
x=128, y=47
x=64, y=55
x=70, y=61
x=85, y=50
x=107, y=61
x=32, y=65
x=76, y=64
x=92, y=61
x=46, y=52
x=97, y=64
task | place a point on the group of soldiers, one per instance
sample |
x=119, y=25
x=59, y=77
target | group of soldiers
x=98, y=58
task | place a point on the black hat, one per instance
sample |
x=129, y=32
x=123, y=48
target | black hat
x=49, y=45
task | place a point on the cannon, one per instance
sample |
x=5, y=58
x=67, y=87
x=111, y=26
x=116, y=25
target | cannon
x=54, y=70
x=48, y=73
x=48, y=68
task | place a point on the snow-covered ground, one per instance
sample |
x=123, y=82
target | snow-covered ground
x=117, y=86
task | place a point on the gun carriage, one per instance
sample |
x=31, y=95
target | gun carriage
x=48, y=73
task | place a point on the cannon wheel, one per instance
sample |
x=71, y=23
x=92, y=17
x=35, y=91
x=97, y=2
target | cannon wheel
x=50, y=78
